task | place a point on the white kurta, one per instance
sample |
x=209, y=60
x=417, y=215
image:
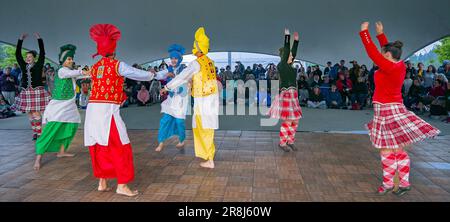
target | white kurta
x=177, y=104
x=65, y=111
x=98, y=115
x=207, y=107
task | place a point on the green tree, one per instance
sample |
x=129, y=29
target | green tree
x=443, y=50
x=8, y=55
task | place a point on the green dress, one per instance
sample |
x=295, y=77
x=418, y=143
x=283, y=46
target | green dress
x=61, y=115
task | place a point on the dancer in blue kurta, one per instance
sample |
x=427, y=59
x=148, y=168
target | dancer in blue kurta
x=174, y=108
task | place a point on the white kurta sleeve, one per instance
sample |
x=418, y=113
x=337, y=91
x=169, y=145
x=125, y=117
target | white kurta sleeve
x=128, y=71
x=64, y=73
x=184, y=77
x=161, y=74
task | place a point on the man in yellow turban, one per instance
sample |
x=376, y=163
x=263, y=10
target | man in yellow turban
x=202, y=72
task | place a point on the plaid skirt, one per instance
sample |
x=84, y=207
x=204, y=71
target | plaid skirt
x=286, y=106
x=32, y=99
x=393, y=126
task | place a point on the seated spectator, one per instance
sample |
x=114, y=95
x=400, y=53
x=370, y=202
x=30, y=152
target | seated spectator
x=5, y=109
x=447, y=103
x=443, y=79
x=435, y=92
x=84, y=94
x=445, y=69
x=325, y=85
x=8, y=86
x=303, y=90
x=428, y=77
x=143, y=96
x=128, y=89
x=334, y=99
x=316, y=99
x=407, y=83
x=344, y=86
x=359, y=95
x=315, y=81
x=415, y=94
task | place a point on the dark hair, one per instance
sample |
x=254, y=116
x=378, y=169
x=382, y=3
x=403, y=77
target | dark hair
x=395, y=48
x=433, y=69
x=439, y=81
x=32, y=52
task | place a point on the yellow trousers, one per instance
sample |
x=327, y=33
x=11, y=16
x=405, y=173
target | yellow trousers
x=203, y=140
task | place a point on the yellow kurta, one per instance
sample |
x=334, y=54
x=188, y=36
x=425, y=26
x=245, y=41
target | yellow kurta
x=206, y=103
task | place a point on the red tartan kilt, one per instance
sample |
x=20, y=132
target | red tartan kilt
x=286, y=106
x=32, y=99
x=393, y=126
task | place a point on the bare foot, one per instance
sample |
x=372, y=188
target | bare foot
x=124, y=190
x=37, y=163
x=65, y=155
x=160, y=147
x=103, y=186
x=207, y=164
x=180, y=145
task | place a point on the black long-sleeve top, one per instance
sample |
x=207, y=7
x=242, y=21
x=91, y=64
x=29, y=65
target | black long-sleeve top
x=36, y=70
x=288, y=74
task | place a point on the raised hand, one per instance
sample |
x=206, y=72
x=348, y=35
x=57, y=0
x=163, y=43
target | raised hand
x=170, y=75
x=286, y=31
x=86, y=72
x=23, y=36
x=37, y=35
x=296, y=36
x=162, y=91
x=364, y=26
x=379, y=27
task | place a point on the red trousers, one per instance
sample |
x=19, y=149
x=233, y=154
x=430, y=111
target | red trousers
x=114, y=160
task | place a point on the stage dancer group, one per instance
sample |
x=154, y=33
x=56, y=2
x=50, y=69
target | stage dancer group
x=392, y=129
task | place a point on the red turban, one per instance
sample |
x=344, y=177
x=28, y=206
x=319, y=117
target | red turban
x=106, y=37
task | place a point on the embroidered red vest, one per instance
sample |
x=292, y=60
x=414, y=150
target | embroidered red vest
x=107, y=84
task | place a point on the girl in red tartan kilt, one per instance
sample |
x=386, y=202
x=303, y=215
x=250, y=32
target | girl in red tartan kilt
x=393, y=127
x=286, y=106
x=33, y=98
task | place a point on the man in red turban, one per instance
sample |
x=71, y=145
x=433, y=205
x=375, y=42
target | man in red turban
x=105, y=132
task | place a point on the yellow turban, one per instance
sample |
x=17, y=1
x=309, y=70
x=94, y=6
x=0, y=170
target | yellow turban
x=201, y=42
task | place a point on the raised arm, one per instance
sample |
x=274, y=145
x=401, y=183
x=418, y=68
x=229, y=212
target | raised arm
x=184, y=77
x=373, y=52
x=133, y=73
x=382, y=39
x=68, y=73
x=41, y=58
x=19, y=56
x=161, y=74
x=287, y=44
x=295, y=46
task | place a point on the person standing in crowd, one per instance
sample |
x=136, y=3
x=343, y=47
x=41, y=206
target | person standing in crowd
x=393, y=127
x=407, y=83
x=359, y=94
x=8, y=86
x=206, y=98
x=33, y=98
x=410, y=68
x=61, y=117
x=286, y=105
x=428, y=77
x=420, y=70
x=344, y=86
x=327, y=69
